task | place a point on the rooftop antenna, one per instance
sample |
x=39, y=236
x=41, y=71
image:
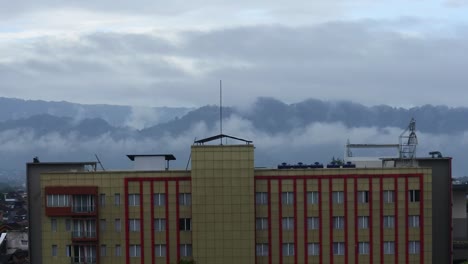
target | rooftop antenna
x=99, y=161
x=408, y=143
x=221, y=109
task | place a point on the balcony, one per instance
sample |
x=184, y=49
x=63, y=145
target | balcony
x=84, y=234
x=83, y=260
x=83, y=209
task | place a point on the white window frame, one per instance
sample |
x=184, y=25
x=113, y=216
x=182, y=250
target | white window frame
x=185, y=199
x=261, y=198
x=288, y=249
x=261, y=223
x=287, y=198
x=313, y=249
x=287, y=223
x=134, y=225
x=389, y=221
x=338, y=222
x=338, y=197
x=388, y=196
x=363, y=222
x=58, y=200
x=261, y=249
x=414, y=247
x=313, y=197
x=389, y=247
x=159, y=199
x=160, y=250
x=186, y=250
x=338, y=248
x=134, y=250
x=364, y=248
x=313, y=223
x=160, y=224
x=363, y=197
x=413, y=221
x=133, y=199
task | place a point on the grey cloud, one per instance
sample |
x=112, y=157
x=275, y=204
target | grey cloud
x=365, y=61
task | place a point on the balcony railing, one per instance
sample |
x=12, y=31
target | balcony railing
x=83, y=260
x=83, y=234
x=83, y=209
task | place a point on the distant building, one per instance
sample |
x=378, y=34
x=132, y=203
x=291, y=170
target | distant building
x=224, y=210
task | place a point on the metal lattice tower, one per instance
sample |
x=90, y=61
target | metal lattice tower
x=409, y=141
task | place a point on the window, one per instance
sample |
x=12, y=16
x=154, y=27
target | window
x=312, y=223
x=67, y=224
x=160, y=250
x=53, y=225
x=389, y=196
x=159, y=199
x=159, y=224
x=134, y=199
x=68, y=251
x=103, y=224
x=261, y=198
x=118, y=250
x=413, y=221
x=389, y=247
x=261, y=249
x=288, y=249
x=135, y=251
x=102, y=199
x=363, y=222
x=288, y=223
x=58, y=200
x=117, y=199
x=54, y=250
x=389, y=221
x=261, y=223
x=338, y=197
x=117, y=225
x=313, y=249
x=338, y=222
x=414, y=196
x=186, y=250
x=413, y=247
x=134, y=225
x=363, y=197
x=363, y=248
x=83, y=203
x=287, y=198
x=312, y=197
x=103, y=250
x=185, y=224
x=185, y=199
x=338, y=248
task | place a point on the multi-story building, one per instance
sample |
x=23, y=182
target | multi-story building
x=224, y=210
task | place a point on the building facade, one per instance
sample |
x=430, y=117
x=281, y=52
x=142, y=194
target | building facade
x=224, y=210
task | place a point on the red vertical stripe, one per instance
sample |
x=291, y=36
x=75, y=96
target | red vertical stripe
x=320, y=220
x=127, y=235
x=330, y=206
x=142, y=232
x=397, y=239
x=177, y=221
x=280, y=210
x=371, y=223
x=406, y=220
x=153, y=259
x=166, y=187
x=356, y=226
x=421, y=216
x=269, y=223
x=381, y=220
x=295, y=219
x=306, y=230
x=346, y=218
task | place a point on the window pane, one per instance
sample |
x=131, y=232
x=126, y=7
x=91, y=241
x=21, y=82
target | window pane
x=159, y=199
x=312, y=198
x=261, y=198
x=312, y=223
x=313, y=249
x=117, y=199
x=287, y=198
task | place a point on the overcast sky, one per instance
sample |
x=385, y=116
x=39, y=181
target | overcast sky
x=173, y=53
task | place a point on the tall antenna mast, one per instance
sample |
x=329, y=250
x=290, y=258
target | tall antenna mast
x=221, y=109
